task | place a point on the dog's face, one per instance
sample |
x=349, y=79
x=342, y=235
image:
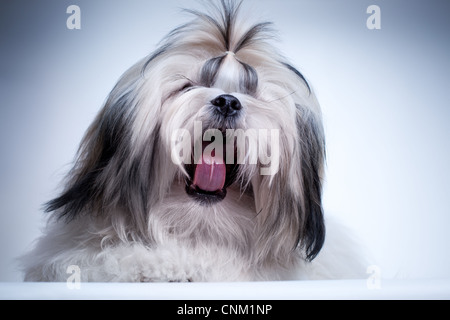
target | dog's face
x=229, y=114
x=214, y=108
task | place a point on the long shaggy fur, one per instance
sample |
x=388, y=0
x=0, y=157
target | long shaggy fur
x=124, y=214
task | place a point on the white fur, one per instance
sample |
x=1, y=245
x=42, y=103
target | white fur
x=101, y=259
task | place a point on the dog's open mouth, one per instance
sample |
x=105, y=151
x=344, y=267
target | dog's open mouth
x=209, y=178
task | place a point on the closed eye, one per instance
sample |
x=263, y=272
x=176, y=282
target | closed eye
x=186, y=87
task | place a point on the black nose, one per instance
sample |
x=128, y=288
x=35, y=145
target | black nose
x=227, y=105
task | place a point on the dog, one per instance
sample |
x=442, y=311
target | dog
x=206, y=163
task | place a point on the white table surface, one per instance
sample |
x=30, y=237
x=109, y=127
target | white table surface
x=283, y=290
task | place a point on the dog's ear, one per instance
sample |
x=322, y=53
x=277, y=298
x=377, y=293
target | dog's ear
x=289, y=204
x=311, y=235
x=112, y=170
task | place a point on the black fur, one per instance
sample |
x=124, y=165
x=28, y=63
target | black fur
x=249, y=79
x=252, y=35
x=312, y=235
x=298, y=73
x=209, y=71
x=104, y=157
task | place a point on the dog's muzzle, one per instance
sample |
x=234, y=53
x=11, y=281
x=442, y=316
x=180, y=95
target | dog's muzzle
x=208, y=180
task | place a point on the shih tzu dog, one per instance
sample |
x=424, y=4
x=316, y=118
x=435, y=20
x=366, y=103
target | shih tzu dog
x=205, y=164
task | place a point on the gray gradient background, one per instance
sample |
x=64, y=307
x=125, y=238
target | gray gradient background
x=384, y=95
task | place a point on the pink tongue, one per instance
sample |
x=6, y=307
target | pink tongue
x=209, y=175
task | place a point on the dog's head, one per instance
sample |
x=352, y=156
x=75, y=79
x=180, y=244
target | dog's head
x=214, y=108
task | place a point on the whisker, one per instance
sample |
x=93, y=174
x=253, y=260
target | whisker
x=284, y=97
